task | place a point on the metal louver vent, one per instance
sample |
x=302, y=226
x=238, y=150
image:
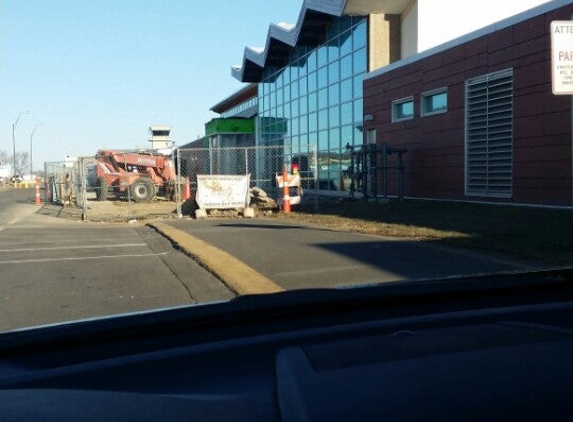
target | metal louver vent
x=489, y=135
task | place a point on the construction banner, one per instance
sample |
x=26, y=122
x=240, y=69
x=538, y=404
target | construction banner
x=222, y=191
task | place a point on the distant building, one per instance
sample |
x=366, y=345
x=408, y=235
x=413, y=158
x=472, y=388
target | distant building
x=160, y=137
x=236, y=126
x=4, y=173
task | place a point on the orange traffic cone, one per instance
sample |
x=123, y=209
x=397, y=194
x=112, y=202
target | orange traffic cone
x=38, y=202
x=187, y=191
x=286, y=196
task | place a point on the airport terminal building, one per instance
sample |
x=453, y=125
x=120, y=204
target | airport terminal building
x=336, y=78
x=478, y=115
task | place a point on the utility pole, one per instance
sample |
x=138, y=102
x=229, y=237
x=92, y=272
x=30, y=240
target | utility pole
x=14, y=139
x=31, y=157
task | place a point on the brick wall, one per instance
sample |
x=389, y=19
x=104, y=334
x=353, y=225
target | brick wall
x=435, y=162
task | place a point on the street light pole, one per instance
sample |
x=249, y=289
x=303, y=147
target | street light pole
x=14, y=139
x=31, y=140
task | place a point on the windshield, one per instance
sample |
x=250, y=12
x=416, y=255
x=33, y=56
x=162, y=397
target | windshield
x=149, y=161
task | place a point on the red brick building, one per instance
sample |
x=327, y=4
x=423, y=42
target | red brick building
x=478, y=115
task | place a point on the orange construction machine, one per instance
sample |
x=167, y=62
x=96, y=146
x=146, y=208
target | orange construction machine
x=141, y=174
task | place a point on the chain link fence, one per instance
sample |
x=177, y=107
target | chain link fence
x=61, y=179
x=128, y=177
x=138, y=176
x=141, y=177
x=68, y=183
x=262, y=163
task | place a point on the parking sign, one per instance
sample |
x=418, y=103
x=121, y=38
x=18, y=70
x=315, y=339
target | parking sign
x=562, y=57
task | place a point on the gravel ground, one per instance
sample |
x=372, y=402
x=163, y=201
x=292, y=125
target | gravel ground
x=123, y=211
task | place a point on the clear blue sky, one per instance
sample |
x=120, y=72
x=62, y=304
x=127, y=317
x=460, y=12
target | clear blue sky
x=99, y=73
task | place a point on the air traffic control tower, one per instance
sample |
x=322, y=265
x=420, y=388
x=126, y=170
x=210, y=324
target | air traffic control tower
x=160, y=137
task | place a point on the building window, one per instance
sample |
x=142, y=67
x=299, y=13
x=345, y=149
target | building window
x=371, y=137
x=434, y=102
x=489, y=135
x=321, y=101
x=403, y=109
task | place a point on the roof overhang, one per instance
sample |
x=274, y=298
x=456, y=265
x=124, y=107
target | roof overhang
x=310, y=30
x=244, y=94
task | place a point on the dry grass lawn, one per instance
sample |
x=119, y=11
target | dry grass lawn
x=540, y=235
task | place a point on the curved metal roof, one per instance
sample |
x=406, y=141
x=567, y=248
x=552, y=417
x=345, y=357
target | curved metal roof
x=314, y=18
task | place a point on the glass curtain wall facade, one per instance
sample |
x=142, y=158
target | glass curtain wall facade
x=317, y=99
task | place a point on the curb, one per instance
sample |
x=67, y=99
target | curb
x=235, y=274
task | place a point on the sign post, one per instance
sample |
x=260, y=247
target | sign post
x=562, y=69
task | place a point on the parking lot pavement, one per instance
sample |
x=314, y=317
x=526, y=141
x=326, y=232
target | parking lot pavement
x=295, y=256
x=54, y=270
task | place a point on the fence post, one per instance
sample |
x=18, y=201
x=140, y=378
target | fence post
x=315, y=154
x=126, y=181
x=178, y=181
x=384, y=150
x=84, y=194
x=286, y=196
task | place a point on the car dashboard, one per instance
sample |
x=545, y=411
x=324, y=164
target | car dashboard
x=483, y=348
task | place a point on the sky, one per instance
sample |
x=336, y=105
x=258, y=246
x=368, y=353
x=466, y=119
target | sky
x=482, y=12
x=97, y=74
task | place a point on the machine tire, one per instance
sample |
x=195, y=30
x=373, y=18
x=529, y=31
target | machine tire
x=102, y=190
x=143, y=190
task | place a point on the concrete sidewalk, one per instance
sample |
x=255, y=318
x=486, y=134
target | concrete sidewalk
x=293, y=256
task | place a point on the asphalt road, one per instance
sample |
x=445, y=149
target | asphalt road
x=297, y=257
x=54, y=270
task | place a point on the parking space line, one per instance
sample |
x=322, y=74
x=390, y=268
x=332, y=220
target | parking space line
x=9, y=223
x=51, y=248
x=22, y=261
